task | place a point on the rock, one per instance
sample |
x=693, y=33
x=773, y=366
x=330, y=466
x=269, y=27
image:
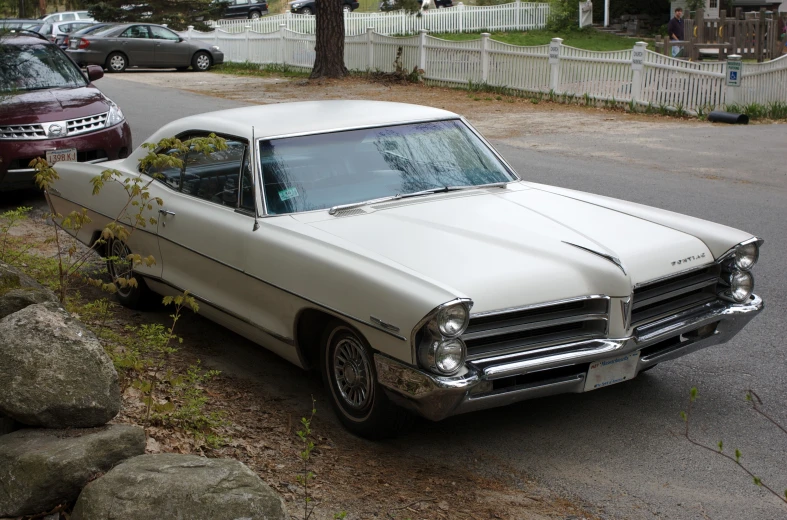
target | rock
x=17, y=299
x=13, y=278
x=40, y=469
x=54, y=371
x=151, y=487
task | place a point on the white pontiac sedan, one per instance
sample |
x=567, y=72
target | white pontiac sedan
x=390, y=246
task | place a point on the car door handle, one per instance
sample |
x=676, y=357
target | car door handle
x=166, y=212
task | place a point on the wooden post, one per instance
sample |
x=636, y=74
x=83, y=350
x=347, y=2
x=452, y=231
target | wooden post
x=739, y=13
x=667, y=47
x=637, y=66
x=369, y=48
x=721, y=32
x=760, y=35
x=554, y=64
x=700, y=25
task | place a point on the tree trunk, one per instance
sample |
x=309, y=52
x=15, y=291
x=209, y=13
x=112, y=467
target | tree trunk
x=42, y=7
x=329, y=62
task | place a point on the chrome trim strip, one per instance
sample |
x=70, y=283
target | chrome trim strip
x=508, y=310
x=381, y=323
x=534, y=349
x=314, y=302
x=677, y=292
x=673, y=275
x=490, y=333
x=613, y=259
x=23, y=170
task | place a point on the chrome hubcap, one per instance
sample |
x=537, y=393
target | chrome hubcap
x=119, y=267
x=203, y=62
x=353, y=373
x=117, y=62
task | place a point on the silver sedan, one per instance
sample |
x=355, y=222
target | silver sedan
x=142, y=45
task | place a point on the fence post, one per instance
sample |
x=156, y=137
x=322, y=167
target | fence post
x=484, y=57
x=637, y=66
x=554, y=63
x=422, y=49
x=282, y=36
x=248, y=43
x=461, y=8
x=518, y=20
x=190, y=29
x=733, y=69
x=288, y=18
x=370, y=48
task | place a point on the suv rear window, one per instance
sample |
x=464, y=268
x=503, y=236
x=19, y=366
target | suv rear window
x=36, y=67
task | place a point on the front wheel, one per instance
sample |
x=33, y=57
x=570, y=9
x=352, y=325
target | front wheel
x=118, y=266
x=306, y=10
x=348, y=372
x=201, y=61
x=346, y=8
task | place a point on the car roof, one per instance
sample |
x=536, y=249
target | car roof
x=280, y=119
x=25, y=38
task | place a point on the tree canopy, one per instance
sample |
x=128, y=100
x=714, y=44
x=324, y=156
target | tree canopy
x=176, y=14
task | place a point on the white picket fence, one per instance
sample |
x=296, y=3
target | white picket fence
x=638, y=75
x=517, y=16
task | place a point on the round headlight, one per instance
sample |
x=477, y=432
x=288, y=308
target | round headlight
x=453, y=320
x=449, y=356
x=746, y=256
x=741, y=286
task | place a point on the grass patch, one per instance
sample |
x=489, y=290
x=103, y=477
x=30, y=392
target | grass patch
x=776, y=110
x=254, y=69
x=586, y=39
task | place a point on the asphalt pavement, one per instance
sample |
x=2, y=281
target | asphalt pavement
x=619, y=450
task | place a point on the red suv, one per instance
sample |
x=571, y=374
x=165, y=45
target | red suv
x=49, y=108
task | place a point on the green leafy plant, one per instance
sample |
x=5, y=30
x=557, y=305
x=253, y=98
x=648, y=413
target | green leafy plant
x=9, y=219
x=736, y=456
x=307, y=475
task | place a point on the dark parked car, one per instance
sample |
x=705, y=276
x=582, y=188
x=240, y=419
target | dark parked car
x=63, y=41
x=49, y=108
x=245, y=9
x=142, y=45
x=310, y=7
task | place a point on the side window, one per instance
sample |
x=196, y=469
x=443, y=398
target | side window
x=160, y=33
x=135, y=31
x=68, y=17
x=222, y=177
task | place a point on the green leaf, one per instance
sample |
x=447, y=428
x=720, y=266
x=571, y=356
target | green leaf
x=721, y=446
x=757, y=481
x=684, y=416
x=737, y=455
x=693, y=393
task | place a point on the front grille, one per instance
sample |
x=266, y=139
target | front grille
x=520, y=330
x=22, y=132
x=672, y=295
x=86, y=124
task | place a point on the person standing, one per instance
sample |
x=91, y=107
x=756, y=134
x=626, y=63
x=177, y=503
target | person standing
x=675, y=31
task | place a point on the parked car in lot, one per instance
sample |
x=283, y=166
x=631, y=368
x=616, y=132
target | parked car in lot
x=91, y=29
x=50, y=109
x=20, y=23
x=67, y=16
x=142, y=45
x=310, y=7
x=245, y=9
x=58, y=31
x=391, y=247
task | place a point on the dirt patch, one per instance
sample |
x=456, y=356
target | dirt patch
x=496, y=116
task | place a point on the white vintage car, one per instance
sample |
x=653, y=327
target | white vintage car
x=392, y=247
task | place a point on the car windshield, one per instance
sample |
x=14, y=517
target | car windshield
x=326, y=170
x=36, y=67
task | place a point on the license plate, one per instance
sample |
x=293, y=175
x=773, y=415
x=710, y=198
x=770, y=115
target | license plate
x=67, y=154
x=610, y=371
x=73, y=44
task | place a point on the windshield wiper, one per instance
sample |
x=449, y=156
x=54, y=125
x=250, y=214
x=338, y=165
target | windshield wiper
x=431, y=191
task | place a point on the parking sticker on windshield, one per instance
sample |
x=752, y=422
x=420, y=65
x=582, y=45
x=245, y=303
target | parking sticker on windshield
x=289, y=193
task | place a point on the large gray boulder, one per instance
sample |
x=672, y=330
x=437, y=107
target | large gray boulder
x=54, y=372
x=40, y=469
x=152, y=487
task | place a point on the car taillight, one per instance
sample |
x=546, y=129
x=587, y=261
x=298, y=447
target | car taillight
x=65, y=40
x=83, y=44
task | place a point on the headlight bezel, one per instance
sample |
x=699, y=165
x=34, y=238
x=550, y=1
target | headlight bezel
x=740, y=280
x=745, y=263
x=430, y=335
x=115, y=115
x=737, y=264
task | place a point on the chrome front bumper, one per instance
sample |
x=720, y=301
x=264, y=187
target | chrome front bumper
x=501, y=381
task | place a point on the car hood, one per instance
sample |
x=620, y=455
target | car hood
x=506, y=247
x=42, y=106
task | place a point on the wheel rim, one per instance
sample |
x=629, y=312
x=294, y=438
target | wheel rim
x=255, y=15
x=120, y=267
x=352, y=373
x=203, y=62
x=346, y=9
x=117, y=62
x=307, y=11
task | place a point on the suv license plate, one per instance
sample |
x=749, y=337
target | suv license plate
x=610, y=371
x=67, y=154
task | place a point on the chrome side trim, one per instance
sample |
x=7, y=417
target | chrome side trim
x=381, y=323
x=507, y=310
x=673, y=275
x=314, y=302
x=615, y=260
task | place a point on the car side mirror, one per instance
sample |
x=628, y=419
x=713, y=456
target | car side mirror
x=94, y=72
x=180, y=39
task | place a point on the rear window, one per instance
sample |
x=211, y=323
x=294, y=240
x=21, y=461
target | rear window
x=36, y=67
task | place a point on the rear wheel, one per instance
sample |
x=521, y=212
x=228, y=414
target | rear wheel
x=346, y=8
x=116, y=62
x=348, y=372
x=201, y=61
x=254, y=15
x=118, y=267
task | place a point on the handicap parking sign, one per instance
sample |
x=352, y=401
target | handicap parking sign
x=734, y=73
